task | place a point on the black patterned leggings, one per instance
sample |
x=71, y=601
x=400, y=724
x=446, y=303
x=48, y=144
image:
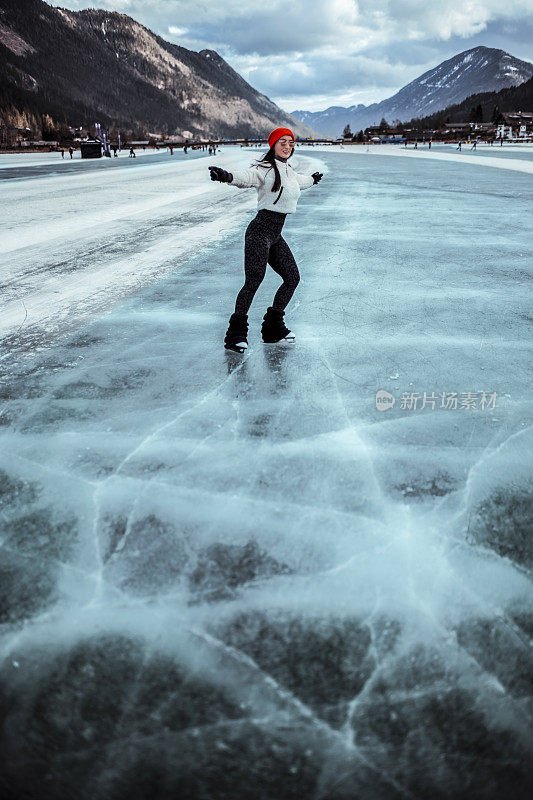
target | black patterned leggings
x=263, y=243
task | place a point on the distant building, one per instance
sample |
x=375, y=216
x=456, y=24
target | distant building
x=504, y=132
x=460, y=127
x=518, y=117
x=42, y=143
x=482, y=127
x=521, y=123
x=377, y=133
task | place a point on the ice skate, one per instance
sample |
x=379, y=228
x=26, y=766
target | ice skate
x=236, y=335
x=273, y=329
x=238, y=347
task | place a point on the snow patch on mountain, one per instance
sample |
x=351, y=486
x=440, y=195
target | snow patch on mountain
x=480, y=69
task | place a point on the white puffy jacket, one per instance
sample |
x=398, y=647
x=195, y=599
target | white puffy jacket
x=262, y=178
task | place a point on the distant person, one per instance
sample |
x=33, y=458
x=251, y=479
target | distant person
x=429, y=145
x=185, y=149
x=416, y=145
x=132, y=153
x=62, y=153
x=171, y=150
x=271, y=175
x=71, y=151
x=115, y=154
x=474, y=146
x=459, y=143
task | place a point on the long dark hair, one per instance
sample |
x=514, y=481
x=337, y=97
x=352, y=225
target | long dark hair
x=269, y=160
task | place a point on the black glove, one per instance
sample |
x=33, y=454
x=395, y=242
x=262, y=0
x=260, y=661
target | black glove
x=218, y=174
x=316, y=176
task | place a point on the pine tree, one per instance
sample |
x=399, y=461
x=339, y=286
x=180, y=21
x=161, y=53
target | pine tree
x=476, y=114
x=347, y=133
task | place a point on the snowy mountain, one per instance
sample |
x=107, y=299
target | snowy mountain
x=481, y=69
x=98, y=65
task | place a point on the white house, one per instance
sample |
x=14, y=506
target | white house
x=504, y=132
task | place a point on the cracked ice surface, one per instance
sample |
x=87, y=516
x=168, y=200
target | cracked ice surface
x=233, y=577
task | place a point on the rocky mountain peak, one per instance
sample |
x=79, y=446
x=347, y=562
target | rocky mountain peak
x=479, y=69
x=103, y=65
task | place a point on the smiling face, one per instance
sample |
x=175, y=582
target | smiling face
x=284, y=147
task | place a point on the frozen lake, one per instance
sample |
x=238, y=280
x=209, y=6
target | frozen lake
x=237, y=577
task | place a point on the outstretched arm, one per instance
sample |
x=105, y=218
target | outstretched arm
x=242, y=179
x=248, y=178
x=306, y=181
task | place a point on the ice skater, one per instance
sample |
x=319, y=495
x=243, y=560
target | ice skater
x=278, y=189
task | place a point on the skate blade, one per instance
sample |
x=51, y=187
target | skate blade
x=236, y=348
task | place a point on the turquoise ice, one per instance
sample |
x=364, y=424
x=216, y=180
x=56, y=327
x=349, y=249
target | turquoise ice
x=238, y=573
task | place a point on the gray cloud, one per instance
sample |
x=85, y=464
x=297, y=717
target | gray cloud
x=315, y=75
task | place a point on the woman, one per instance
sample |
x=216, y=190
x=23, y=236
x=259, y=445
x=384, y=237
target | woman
x=278, y=188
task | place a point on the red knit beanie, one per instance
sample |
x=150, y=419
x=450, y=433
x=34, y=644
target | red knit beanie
x=277, y=133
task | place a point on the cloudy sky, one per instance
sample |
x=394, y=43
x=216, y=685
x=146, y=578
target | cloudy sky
x=311, y=54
